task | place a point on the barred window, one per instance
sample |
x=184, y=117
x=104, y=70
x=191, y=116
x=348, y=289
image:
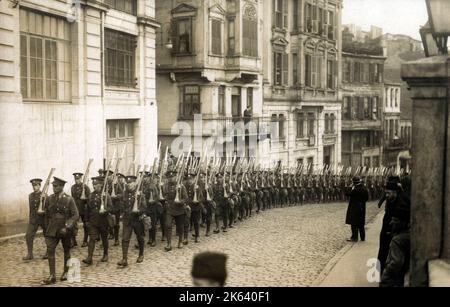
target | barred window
x=45, y=57
x=120, y=59
x=216, y=37
x=127, y=6
x=190, y=103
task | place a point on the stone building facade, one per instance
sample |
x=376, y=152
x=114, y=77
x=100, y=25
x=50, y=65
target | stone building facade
x=363, y=95
x=77, y=81
x=302, y=77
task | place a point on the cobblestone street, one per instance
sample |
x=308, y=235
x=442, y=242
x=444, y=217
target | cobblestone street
x=280, y=247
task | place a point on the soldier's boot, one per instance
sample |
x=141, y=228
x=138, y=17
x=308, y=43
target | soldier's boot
x=180, y=241
x=52, y=267
x=116, y=234
x=124, y=262
x=168, y=248
x=29, y=255
x=91, y=246
x=66, y=268
x=85, y=237
x=111, y=233
x=140, y=259
x=185, y=241
x=105, y=257
x=208, y=229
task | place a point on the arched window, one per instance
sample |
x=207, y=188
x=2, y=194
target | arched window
x=250, y=31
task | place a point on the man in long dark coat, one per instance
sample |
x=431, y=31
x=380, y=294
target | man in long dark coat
x=356, y=212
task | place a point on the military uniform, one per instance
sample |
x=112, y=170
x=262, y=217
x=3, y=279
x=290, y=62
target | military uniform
x=97, y=222
x=35, y=220
x=176, y=210
x=222, y=211
x=117, y=208
x=61, y=215
x=76, y=192
x=132, y=221
x=154, y=210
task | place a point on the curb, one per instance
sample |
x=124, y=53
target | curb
x=340, y=254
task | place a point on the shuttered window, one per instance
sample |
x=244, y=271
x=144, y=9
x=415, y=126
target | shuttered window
x=250, y=37
x=216, y=37
x=127, y=6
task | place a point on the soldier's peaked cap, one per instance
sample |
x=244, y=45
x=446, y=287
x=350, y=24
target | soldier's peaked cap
x=58, y=181
x=131, y=178
x=78, y=175
x=98, y=179
x=36, y=181
x=210, y=265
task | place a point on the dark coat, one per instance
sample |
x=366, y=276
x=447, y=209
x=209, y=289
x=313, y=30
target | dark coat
x=60, y=212
x=93, y=215
x=356, y=212
x=34, y=200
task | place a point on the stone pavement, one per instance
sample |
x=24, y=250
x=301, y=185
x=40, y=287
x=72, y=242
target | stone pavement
x=280, y=247
x=350, y=267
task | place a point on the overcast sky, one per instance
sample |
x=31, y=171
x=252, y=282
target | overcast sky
x=394, y=16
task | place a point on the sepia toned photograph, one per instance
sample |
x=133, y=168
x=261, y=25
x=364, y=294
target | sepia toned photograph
x=190, y=144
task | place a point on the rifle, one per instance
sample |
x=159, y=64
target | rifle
x=116, y=170
x=43, y=197
x=85, y=179
x=138, y=191
x=163, y=165
x=105, y=185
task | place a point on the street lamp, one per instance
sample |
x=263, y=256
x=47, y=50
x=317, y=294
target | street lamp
x=439, y=23
x=429, y=44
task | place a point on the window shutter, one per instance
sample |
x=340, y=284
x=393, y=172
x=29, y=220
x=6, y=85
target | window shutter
x=285, y=13
x=274, y=13
x=285, y=69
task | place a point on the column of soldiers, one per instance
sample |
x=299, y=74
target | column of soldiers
x=190, y=193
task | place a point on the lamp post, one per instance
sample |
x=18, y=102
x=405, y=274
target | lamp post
x=429, y=83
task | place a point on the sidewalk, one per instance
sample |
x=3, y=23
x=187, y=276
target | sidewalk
x=349, y=267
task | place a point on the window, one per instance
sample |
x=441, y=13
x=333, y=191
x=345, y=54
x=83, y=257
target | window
x=355, y=107
x=216, y=37
x=311, y=124
x=183, y=36
x=280, y=68
x=347, y=71
x=392, y=97
x=331, y=74
x=313, y=71
x=250, y=36
x=250, y=97
x=300, y=125
x=295, y=68
x=375, y=161
x=231, y=37
x=330, y=23
x=221, y=109
x=311, y=164
x=367, y=109
x=308, y=18
x=282, y=121
x=127, y=6
x=332, y=123
x=347, y=109
x=375, y=108
x=396, y=97
x=295, y=15
x=190, y=103
x=327, y=123
x=120, y=58
x=320, y=22
x=45, y=57
x=280, y=13
x=357, y=72
x=379, y=73
x=367, y=161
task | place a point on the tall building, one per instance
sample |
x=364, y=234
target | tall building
x=210, y=64
x=77, y=81
x=302, y=73
x=396, y=136
x=362, y=110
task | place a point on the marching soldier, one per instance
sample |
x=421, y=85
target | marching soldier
x=208, y=202
x=176, y=197
x=36, y=220
x=81, y=202
x=219, y=189
x=116, y=208
x=154, y=209
x=197, y=208
x=189, y=184
x=97, y=211
x=61, y=215
x=133, y=215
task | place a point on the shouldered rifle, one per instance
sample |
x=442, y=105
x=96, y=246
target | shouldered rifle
x=138, y=195
x=43, y=197
x=85, y=180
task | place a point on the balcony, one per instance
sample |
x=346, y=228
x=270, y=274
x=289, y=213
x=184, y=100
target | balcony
x=398, y=144
x=361, y=124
